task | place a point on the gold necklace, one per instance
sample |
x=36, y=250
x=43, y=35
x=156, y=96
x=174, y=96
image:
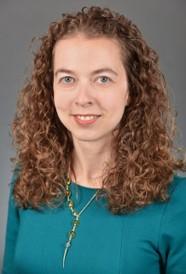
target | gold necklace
x=76, y=220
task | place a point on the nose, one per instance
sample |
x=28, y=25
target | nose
x=83, y=95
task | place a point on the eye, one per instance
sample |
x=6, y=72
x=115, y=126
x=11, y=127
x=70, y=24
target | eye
x=66, y=80
x=104, y=79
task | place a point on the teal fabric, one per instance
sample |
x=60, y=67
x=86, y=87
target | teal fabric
x=151, y=240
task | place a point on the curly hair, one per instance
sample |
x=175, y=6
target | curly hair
x=145, y=161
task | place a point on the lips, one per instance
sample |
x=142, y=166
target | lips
x=87, y=119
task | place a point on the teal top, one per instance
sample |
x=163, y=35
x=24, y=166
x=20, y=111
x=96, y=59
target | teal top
x=151, y=240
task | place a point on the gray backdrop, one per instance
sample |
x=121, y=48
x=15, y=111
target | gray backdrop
x=163, y=23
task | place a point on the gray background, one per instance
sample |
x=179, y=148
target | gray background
x=163, y=23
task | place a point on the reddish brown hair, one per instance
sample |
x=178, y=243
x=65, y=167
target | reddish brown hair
x=145, y=160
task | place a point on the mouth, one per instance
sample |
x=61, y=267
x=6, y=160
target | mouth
x=86, y=119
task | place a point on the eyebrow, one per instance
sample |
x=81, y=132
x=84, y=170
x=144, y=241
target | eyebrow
x=97, y=71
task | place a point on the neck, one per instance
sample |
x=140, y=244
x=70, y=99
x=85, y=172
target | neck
x=89, y=160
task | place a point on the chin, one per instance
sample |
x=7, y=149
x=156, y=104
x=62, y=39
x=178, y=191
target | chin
x=92, y=137
x=86, y=138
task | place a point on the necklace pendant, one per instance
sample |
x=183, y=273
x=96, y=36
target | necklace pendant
x=65, y=252
x=75, y=221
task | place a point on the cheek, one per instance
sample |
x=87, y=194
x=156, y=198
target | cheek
x=61, y=102
x=116, y=103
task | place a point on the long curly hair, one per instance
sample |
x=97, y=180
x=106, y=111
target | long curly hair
x=145, y=160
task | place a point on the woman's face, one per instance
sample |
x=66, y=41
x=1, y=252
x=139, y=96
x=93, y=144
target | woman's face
x=90, y=86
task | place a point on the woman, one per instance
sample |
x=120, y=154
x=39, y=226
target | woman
x=95, y=188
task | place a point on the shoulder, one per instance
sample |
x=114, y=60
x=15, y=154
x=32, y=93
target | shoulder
x=170, y=215
x=177, y=191
x=172, y=236
x=174, y=214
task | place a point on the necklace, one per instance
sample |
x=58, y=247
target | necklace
x=76, y=218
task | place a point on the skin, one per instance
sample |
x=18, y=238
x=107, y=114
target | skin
x=82, y=90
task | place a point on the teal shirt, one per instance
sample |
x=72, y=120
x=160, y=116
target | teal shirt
x=151, y=240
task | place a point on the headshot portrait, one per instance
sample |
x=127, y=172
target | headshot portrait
x=98, y=182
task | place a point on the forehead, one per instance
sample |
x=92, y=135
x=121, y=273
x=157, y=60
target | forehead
x=82, y=50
